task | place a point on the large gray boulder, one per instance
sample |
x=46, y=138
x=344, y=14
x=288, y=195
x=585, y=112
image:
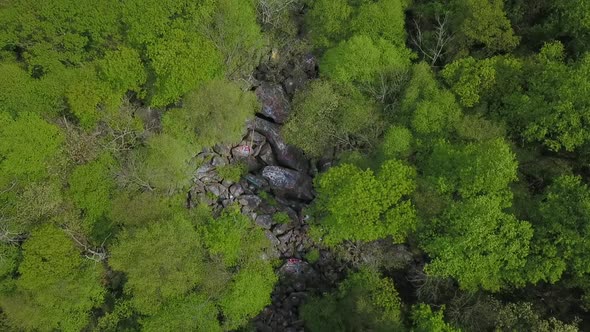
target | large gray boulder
x=275, y=104
x=288, y=183
x=286, y=155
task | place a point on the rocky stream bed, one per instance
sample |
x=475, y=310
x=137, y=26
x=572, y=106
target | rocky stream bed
x=279, y=180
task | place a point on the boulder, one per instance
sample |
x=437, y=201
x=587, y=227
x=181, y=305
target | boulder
x=286, y=155
x=251, y=201
x=241, y=151
x=222, y=149
x=256, y=182
x=218, y=190
x=267, y=156
x=275, y=104
x=236, y=190
x=265, y=221
x=288, y=183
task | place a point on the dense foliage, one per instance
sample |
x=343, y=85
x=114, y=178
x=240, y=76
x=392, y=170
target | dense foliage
x=448, y=141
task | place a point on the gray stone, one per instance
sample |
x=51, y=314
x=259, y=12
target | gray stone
x=281, y=229
x=254, y=138
x=289, y=85
x=267, y=208
x=251, y=201
x=265, y=221
x=218, y=190
x=275, y=104
x=288, y=183
x=256, y=181
x=204, y=169
x=222, y=149
x=272, y=238
x=219, y=161
x=296, y=81
x=211, y=177
x=241, y=151
x=236, y=190
x=286, y=155
x=198, y=187
x=267, y=156
x=205, y=199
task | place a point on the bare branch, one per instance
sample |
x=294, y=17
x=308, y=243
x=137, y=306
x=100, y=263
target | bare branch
x=441, y=35
x=95, y=254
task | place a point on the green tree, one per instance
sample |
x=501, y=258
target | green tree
x=397, y=142
x=26, y=204
x=166, y=164
x=322, y=117
x=473, y=169
x=356, y=205
x=426, y=320
x=559, y=244
x=57, y=288
x=237, y=35
x=331, y=21
x=430, y=109
x=478, y=244
x=247, y=293
x=361, y=59
x=91, y=189
x=21, y=93
x=327, y=21
x=233, y=237
x=573, y=18
x=57, y=34
x=214, y=113
x=122, y=69
x=171, y=263
x=191, y=313
x=28, y=145
x=147, y=21
x=470, y=78
x=180, y=62
x=522, y=316
x=381, y=19
x=364, y=301
x=484, y=22
x=553, y=108
x=132, y=209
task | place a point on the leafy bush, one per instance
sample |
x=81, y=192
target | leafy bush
x=281, y=217
x=232, y=172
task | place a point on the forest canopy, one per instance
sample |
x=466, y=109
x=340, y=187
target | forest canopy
x=291, y=165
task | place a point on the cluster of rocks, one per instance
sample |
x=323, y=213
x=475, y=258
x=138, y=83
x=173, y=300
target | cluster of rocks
x=273, y=193
x=278, y=179
x=287, y=297
x=298, y=281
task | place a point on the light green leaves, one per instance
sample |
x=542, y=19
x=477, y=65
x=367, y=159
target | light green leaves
x=479, y=245
x=181, y=62
x=57, y=288
x=360, y=59
x=472, y=169
x=353, y=204
x=28, y=145
x=163, y=261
